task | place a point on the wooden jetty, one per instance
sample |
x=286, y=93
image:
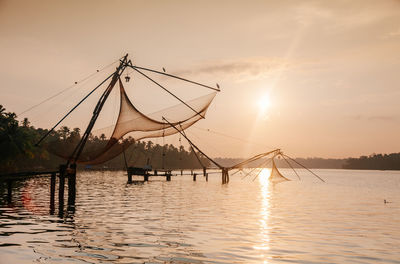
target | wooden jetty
x=62, y=173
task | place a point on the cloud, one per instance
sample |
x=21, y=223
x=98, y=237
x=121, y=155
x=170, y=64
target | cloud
x=383, y=118
x=394, y=34
x=376, y=117
x=239, y=70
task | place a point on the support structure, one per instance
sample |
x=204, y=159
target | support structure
x=168, y=175
x=61, y=185
x=225, y=176
x=71, y=172
x=225, y=173
x=52, y=192
x=9, y=191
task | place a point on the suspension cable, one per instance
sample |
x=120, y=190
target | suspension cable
x=304, y=167
x=173, y=76
x=66, y=89
x=70, y=111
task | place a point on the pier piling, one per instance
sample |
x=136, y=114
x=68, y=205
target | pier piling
x=129, y=177
x=9, y=191
x=52, y=192
x=61, y=190
x=71, y=187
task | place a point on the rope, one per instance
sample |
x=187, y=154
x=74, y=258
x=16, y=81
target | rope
x=262, y=169
x=290, y=166
x=191, y=143
x=232, y=137
x=173, y=76
x=262, y=164
x=207, y=144
x=304, y=167
x=66, y=89
x=165, y=89
x=70, y=111
x=197, y=157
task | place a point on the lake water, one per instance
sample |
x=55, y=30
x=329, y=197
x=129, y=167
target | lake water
x=249, y=220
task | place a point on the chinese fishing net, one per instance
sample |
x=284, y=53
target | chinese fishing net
x=133, y=125
x=276, y=176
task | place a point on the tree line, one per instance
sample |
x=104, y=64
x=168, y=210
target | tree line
x=19, y=153
x=374, y=162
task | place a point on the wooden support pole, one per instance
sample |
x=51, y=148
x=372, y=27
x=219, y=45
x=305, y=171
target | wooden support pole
x=206, y=176
x=9, y=191
x=146, y=177
x=181, y=172
x=71, y=172
x=204, y=171
x=52, y=192
x=194, y=176
x=168, y=176
x=129, y=177
x=63, y=169
x=225, y=176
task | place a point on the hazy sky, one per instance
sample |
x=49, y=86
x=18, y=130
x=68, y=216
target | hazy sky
x=329, y=69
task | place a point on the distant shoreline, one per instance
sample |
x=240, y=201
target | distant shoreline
x=371, y=162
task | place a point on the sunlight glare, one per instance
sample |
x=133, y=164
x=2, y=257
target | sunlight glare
x=264, y=245
x=264, y=176
x=264, y=103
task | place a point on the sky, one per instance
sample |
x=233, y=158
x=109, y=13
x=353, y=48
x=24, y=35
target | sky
x=314, y=78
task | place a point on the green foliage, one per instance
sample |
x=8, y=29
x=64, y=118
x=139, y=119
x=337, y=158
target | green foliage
x=16, y=142
x=19, y=153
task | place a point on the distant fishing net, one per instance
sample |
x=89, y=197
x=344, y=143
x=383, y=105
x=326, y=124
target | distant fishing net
x=134, y=125
x=276, y=176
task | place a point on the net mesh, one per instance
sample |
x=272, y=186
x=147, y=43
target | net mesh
x=276, y=176
x=134, y=125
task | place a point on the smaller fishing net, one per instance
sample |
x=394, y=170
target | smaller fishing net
x=276, y=176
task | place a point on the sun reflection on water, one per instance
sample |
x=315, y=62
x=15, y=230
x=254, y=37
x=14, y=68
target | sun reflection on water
x=265, y=191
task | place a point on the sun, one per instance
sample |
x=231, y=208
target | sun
x=264, y=103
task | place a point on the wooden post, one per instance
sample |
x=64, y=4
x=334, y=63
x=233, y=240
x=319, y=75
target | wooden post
x=63, y=169
x=9, y=191
x=181, y=172
x=52, y=192
x=204, y=171
x=194, y=176
x=129, y=175
x=225, y=176
x=146, y=177
x=168, y=173
x=71, y=187
x=206, y=176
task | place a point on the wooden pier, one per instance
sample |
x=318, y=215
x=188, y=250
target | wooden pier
x=62, y=173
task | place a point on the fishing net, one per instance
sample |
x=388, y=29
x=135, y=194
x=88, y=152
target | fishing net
x=276, y=176
x=134, y=125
